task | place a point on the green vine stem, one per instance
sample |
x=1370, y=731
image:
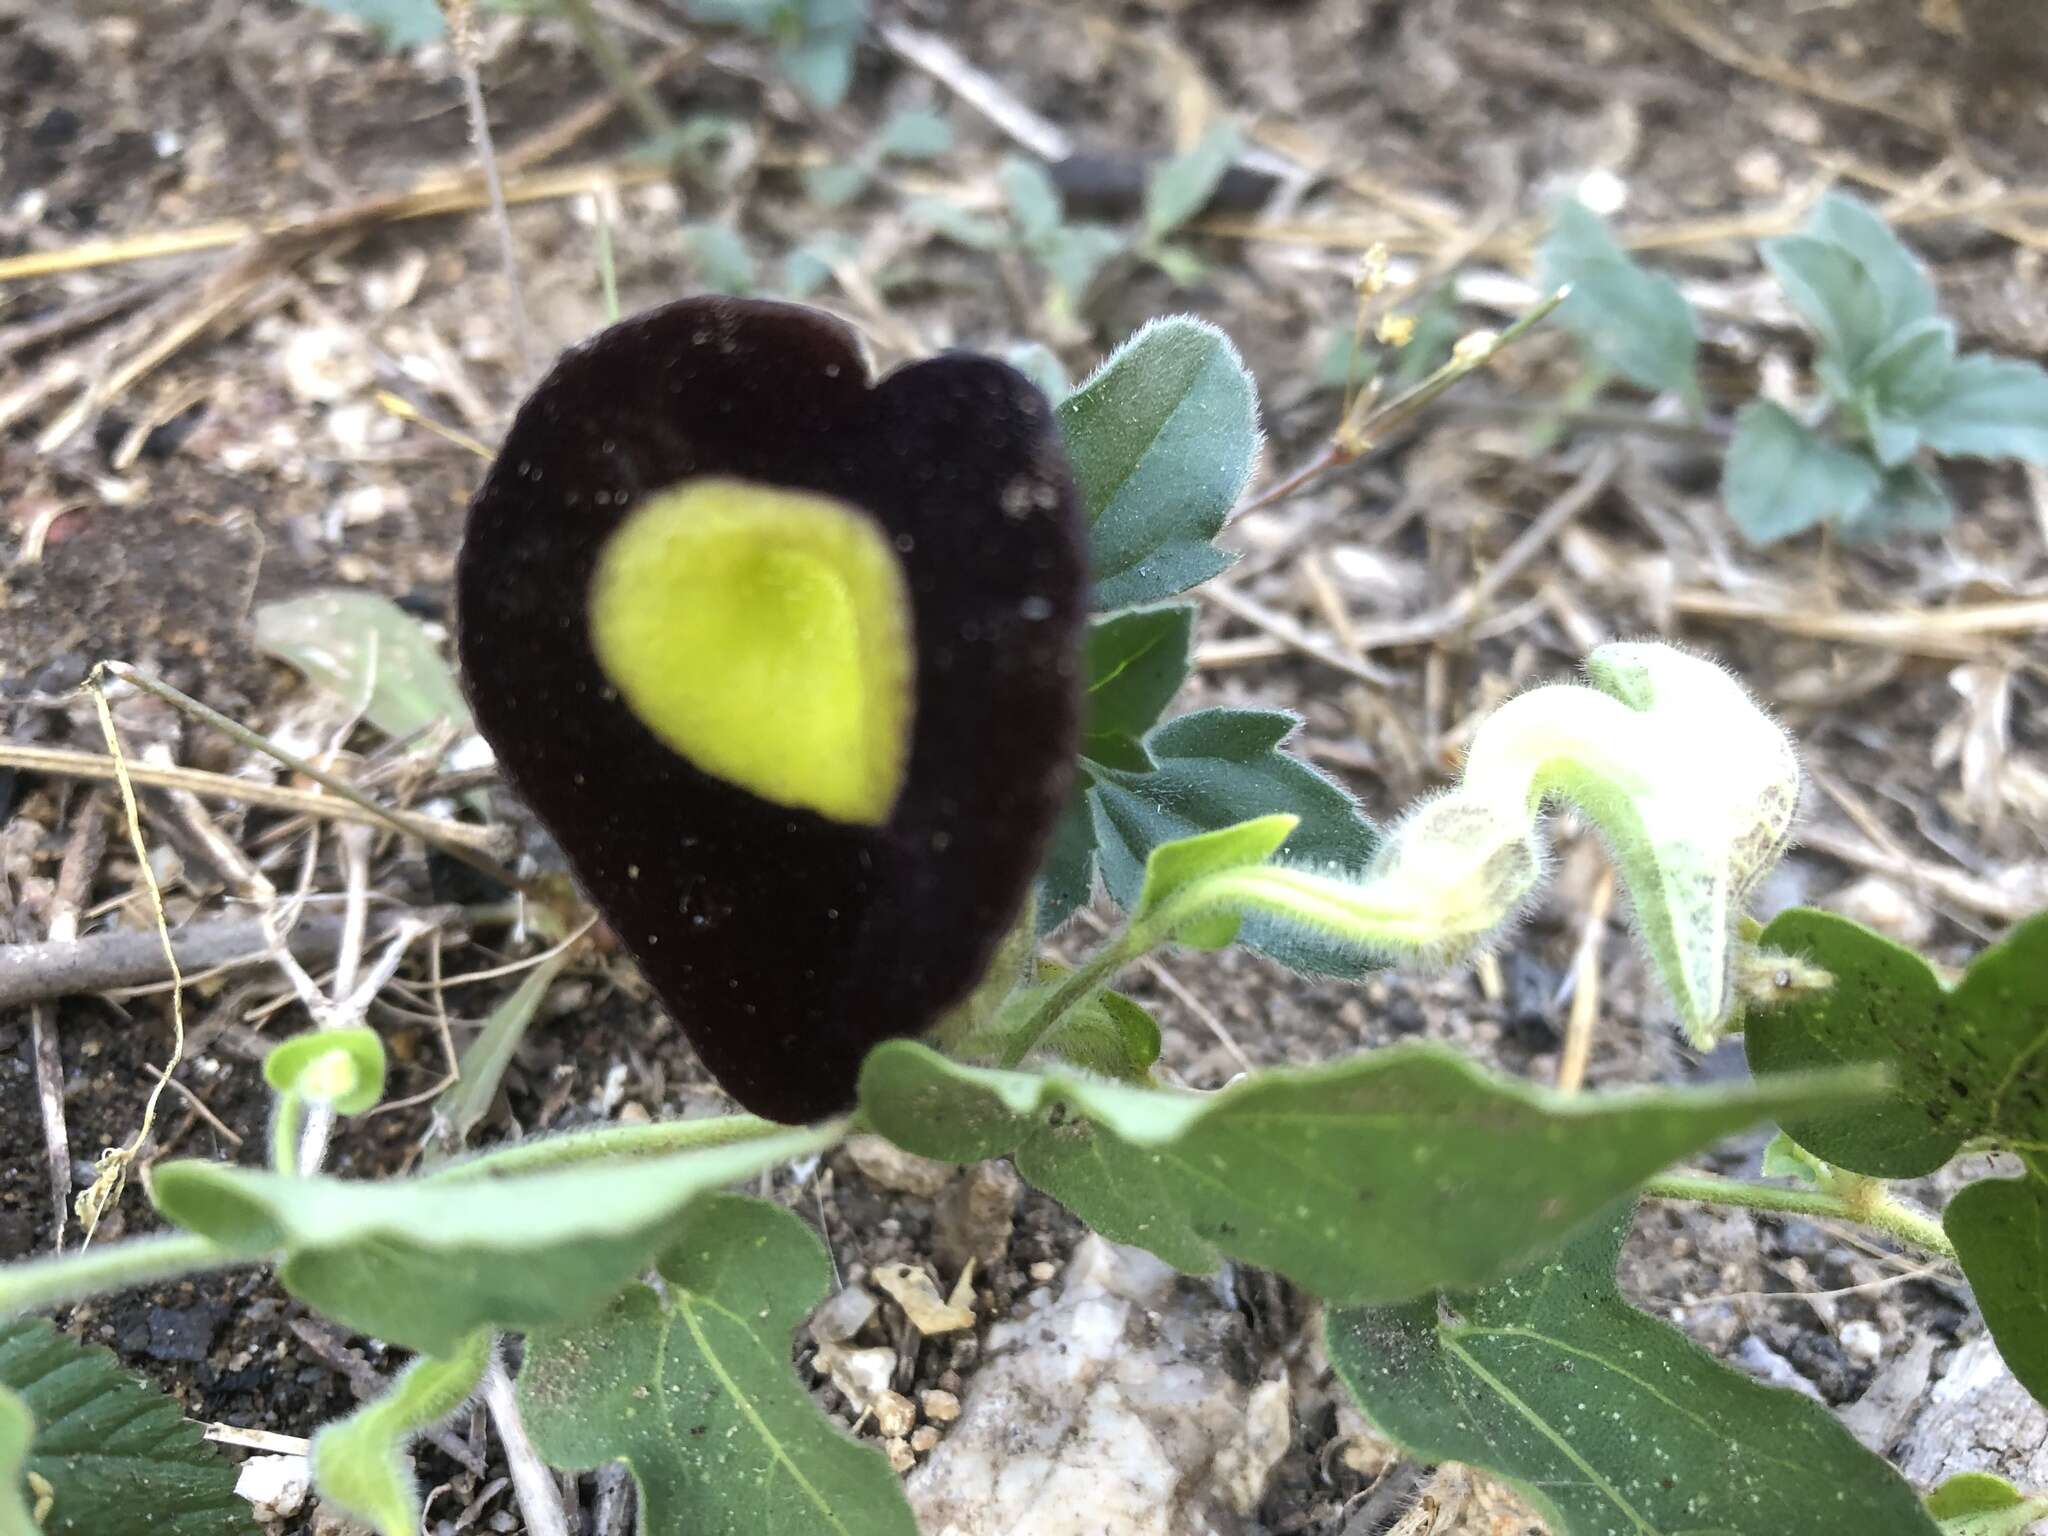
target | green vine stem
x=1869, y=1207
x=287, y=1125
x=116, y=1267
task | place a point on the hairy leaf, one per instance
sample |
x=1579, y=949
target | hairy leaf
x=1988, y=408
x=1614, y=1423
x=342, y=1067
x=1213, y=769
x=1967, y=1061
x=2000, y=1229
x=1982, y=1504
x=1632, y=320
x=1137, y=662
x=112, y=1456
x=1904, y=289
x=359, y=1462
x=1162, y=438
x=425, y=1262
x=1171, y=867
x=1109, y=1034
x=1909, y=500
x=1782, y=479
x=693, y=1389
x=1369, y=1180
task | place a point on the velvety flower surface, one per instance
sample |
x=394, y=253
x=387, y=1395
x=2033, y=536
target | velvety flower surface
x=787, y=661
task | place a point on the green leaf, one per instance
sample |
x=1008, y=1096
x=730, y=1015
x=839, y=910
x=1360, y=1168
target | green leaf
x=916, y=135
x=834, y=186
x=1137, y=662
x=1981, y=1504
x=957, y=224
x=341, y=1067
x=1784, y=1158
x=425, y=1262
x=1614, y=1423
x=17, y=1429
x=809, y=267
x=1781, y=479
x=1109, y=1034
x=1911, y=368
x=1034, y=199
x=1988, y=408
x=1171, y=867
x=1906, y=295
x=1214, y=769
x=2000, y=1229
x=359, y=1461
x=482, y=1067
x=1183, y=268
x=1162, y=437
x=1967, y=1063
x=720, y=257
x=1177, y=191
x=369, y=651
x=693, y=1389
x=1833, y=293
x=1068, y=880
x=397, y=23
x=1631, y=320
x=1910, y=500
x=114, y=1456
x=1965, y=1060
x=1073, y=254
x=819, y=58
x=1365, y=1181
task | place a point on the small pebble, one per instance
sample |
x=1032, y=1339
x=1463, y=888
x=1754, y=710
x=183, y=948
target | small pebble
x=900, y=1454
x=1043, y=1271
x=923, y=1438
x=941, y=1407
x=894, y=1414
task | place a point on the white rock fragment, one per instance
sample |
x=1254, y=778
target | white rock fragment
x=325, y=363
x=275, y=1486
x=884, y=1163
x=895, y=1415
x=941, y=1407
x=1861, y=1342
x=843, y=1314
x=918, y=1295
x=1108, y=1412
x=861, y=1374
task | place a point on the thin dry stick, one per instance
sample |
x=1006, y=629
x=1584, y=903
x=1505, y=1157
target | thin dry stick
x=238, y=732
x=1585, y=1010
x=64, y=763
x=540, y=1502
x=465, y=47
x=114, y=1162
x=82, y=855
x=1938, y=632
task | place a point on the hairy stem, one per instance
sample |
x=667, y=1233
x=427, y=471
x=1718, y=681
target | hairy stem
x=114, y=1267
x=1087, y=979
x=1872, y=1208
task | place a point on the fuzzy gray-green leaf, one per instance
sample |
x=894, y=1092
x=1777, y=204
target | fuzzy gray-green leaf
x=693, y=1389
x=1615, y=1423
x=1162, y=438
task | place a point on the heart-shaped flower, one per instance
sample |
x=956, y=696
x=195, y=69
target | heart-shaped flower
x=788, y=664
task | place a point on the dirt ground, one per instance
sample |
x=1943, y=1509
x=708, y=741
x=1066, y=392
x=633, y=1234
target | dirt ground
x=190, y=434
